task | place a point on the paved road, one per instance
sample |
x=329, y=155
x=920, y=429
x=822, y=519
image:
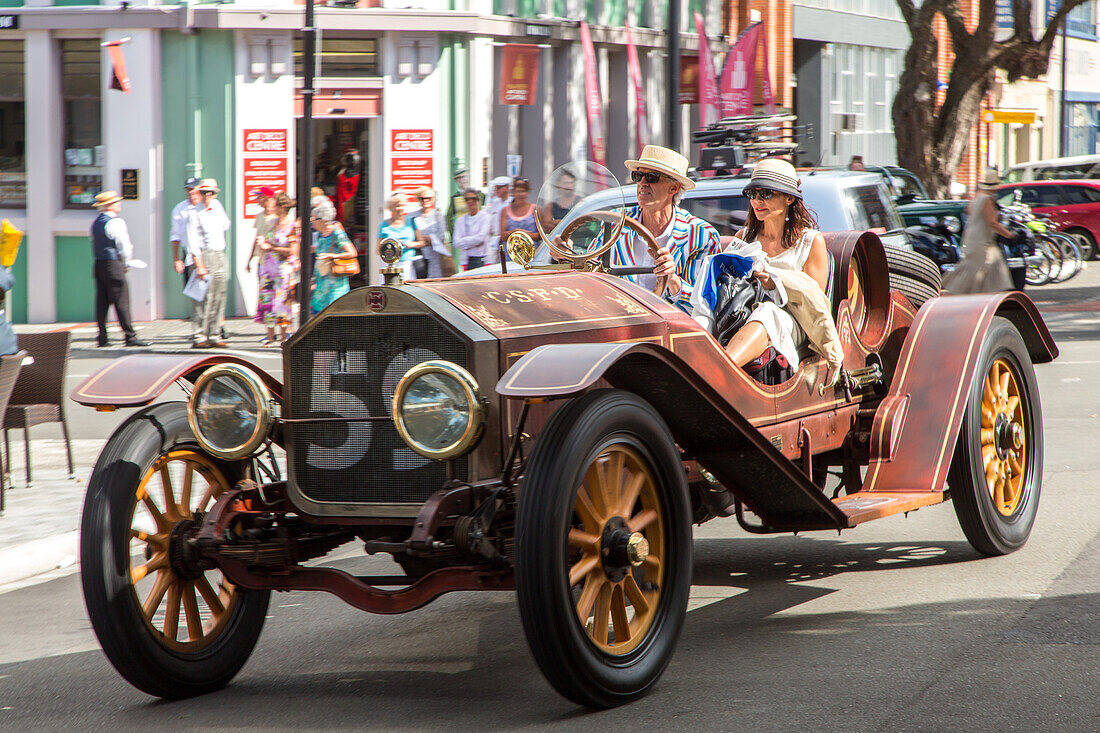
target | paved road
x=894, y=626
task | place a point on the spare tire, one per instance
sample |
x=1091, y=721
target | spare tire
x=913, y=274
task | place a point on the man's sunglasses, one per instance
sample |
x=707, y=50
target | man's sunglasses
x=650, y=177
x=472, y=200
x=764, y=194
x=425, y=198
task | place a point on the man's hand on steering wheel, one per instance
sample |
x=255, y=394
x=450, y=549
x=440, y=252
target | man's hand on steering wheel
x=664, y=267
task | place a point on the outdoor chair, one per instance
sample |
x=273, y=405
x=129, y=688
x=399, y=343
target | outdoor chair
x=39, y=393
x=9, y=372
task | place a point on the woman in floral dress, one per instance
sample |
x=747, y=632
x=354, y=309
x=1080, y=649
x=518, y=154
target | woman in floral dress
x=278, y=272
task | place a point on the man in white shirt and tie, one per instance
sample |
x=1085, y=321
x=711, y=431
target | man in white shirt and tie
x=206, y=238
x=472, y=230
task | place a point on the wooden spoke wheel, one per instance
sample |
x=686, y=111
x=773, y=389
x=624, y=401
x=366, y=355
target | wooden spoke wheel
x=603, y=548
x=996, y=472
x=185, y=605
x=170, y=625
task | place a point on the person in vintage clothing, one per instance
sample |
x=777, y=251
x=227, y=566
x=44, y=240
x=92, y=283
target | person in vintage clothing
x=277, y=271
x=209, y=223
x=179, y=236
x=983, y=268
x=112, y=250
x=683, y=240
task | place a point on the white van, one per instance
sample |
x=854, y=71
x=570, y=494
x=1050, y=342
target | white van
x=1076, y=166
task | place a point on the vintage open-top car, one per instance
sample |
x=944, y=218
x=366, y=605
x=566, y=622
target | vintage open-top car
x=555, y=432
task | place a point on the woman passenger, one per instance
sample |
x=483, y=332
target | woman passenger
x=783, y=227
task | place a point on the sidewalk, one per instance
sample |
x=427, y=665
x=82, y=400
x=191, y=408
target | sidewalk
x=40, y=525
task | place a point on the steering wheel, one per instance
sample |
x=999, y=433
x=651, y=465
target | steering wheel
x=619, y=220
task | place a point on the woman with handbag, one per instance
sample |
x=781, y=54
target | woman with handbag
x=278, y=272
x=332, y=247
x=431, y=230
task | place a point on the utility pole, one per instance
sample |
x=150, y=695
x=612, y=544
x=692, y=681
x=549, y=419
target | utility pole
x=672, y=82
x=1062, y=141
x=305, y=167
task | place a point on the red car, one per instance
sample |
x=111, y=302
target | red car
x=1073, y=205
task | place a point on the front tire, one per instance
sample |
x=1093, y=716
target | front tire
x=170, y=630
x=603, y=549
x=997, y=470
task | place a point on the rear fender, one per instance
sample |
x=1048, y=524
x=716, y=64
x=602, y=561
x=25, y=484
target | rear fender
x=704, y=423
x=917, y=424
x=138, y=379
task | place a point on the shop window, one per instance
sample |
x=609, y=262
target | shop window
x=83, y=132
x=13, y=161
x=341, y=58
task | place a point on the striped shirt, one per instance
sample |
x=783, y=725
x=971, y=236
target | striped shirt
x=691, y=242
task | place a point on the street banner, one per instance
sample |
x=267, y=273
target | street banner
x=689, y=80
x=736, y=85
x=596, y=148
x=120, y=80
x=708, y=87
x=766, y=79
x=635, y=70
x=519, y=73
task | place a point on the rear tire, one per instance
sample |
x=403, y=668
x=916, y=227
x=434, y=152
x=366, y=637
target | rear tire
x=913, y=274
x=1086, y=241
x=605, y=477
x=997, y=471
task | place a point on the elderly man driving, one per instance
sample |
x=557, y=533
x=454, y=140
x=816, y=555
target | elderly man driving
x=684, y=241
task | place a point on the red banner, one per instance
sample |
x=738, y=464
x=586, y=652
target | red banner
x=689, y=80
x=596, y=147
x=635, y=70
x=708, y=86
x=119, y=78
x=519, y=73
x=738, y=74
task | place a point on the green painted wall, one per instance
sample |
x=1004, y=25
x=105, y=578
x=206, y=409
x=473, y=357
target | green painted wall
x=73, y=265
x=205, y=105
x=16, y=301
x=11, y=3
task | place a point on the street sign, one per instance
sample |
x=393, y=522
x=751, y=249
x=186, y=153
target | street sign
x=1008, y=116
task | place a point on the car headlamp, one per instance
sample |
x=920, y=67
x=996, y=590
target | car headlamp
x=438, y=410
x=230, y=411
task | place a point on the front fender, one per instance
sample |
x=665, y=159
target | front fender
x=138, y=379
x=915, y=428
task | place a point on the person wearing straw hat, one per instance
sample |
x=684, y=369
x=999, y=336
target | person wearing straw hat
x=780, y=236
x=683, y=240
x=112, y=251
x=983, y=268
x=209, y=224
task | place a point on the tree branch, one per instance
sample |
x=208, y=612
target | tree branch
x=1047, y=41
x=956, y=25
x=908, y=12
x=1021, y=19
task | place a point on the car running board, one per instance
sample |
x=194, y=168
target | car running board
x=864, y=506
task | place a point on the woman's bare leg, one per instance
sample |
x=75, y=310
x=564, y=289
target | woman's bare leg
x=748, y=343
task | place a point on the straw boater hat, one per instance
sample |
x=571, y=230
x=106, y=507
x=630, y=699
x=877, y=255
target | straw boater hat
x=209, y=184
x=990, y=178
x=106, y=198
x=666, y=161
x=775, y=174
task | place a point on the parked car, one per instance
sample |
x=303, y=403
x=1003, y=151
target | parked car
x=555, y=433
x=913, y=203
x=1073, y=167
x=1073, y=206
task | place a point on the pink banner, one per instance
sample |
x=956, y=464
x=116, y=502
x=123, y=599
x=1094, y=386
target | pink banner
x=708, y=88
x=596, y=148
x=766, y=80
x=738, y=74
x=635, y=70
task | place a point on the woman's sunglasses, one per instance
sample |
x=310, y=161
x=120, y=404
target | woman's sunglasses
x=764, y=194
x=650, y=177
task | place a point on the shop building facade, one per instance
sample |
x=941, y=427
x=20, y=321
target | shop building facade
x=215, y=92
